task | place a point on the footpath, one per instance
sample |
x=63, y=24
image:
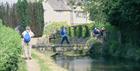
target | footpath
x=32, y=65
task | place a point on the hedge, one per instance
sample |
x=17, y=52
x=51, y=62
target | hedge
x=80, y=30
x=74, y=31
x=10, y=49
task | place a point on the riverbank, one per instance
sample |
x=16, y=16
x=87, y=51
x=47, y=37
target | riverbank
x=46, y=62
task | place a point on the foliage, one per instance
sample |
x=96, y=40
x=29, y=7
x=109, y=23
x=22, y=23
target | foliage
x=53, y=28
x=10, y=49
x=113, y=46
x=0, y=22
x=45, y=61
x=99, y=47
x=22, y=65
x=81, y=30
x=76, y=33
x=22, y=10
x=95, y=47
x=79, y=33
x=75, y=3
x=69, y=32
x=8, y=14
x=87, y=32
x=36, y=14
x=96, y=8
x=23, y=13
x=41, y=62
x=123, y=34
x=31, y=14
x=124, y=14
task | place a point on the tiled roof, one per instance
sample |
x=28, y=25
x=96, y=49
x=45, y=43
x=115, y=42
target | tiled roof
x=59, y=5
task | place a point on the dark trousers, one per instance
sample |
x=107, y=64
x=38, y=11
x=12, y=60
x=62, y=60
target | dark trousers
x=65, y=38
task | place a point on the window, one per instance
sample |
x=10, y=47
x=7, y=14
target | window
x=81, y=14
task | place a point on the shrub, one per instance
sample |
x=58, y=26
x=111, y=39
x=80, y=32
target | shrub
x=72, y=32
x=52, y=28
x=95, y=47
x=69, y=31
x=78, y=31
x=10, y=49
x=84, y=32
x=75, y=32
x=87, y=32
x=81, y=30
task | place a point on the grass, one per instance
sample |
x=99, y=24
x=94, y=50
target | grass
x=46, y=62
x=22, y=65
x=41, y=63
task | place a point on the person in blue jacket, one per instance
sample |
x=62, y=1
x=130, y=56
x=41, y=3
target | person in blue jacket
x=63, y=33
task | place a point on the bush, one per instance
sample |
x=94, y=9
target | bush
x=87, y=32
x=75, y=31
x=80, y=30
x=54, y=27
x=95, y=47
x=69, y=31
x=111, y=46
x=83, y=32
x=123, y=14
x=10, y=49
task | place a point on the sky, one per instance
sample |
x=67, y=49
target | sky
x=9, y=1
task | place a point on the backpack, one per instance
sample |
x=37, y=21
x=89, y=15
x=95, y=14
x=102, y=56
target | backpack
x=62, y=32
x=27, y=37
x=96, y=31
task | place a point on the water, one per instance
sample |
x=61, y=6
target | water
x=96, y=64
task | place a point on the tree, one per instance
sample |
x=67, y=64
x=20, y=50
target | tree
x=123, y=14
x=36, y=13
x=22, y=10
x=95, y=9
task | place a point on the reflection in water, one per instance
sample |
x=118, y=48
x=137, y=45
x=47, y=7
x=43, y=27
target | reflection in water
x=97, y=64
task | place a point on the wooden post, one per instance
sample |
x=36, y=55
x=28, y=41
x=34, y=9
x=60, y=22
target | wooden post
x=54, y=48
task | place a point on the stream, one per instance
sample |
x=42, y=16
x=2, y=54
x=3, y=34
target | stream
x=85, y=63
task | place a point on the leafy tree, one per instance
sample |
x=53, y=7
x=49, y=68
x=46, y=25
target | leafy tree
x=123, y=14
x=95, y=9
